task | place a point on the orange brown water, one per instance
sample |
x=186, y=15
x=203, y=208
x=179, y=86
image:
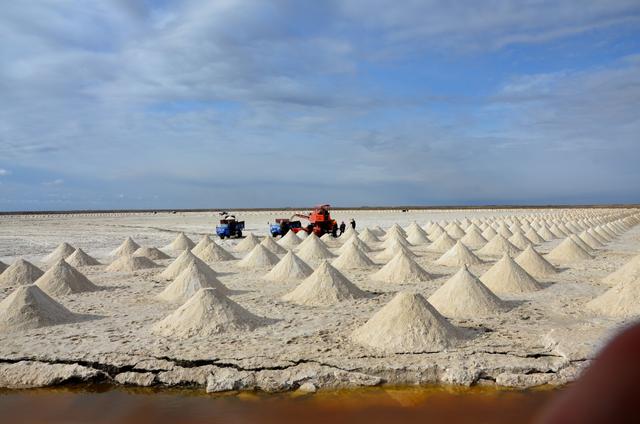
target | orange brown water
x=377, y=405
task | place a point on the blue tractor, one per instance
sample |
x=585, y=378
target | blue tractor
x=229, y=227
x=283, y=225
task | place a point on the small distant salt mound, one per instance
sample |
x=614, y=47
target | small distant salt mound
x=180, y=244
x=151, y=253
x=326, y=286
x=506, y=276
x=568, y=251
x=80, y=258
x=418, y=238
x=498, y=246
x=593, y=233
x=454, y=230
x=489, y=233
x=504, y=231
x=407, y=324
x=590, y=241
x=127, y=247
x=628, y=273
x=458, y=255
x=622, y=300
x=395, y=230
x=368, y=236
x=202, y=244
x=545, y=233
x=188, y=282
x=581, y=243
x=213, y=252
x=129, y=263
x=248, y=243
x=394, y=239
x=20, y=273
x=290, y=267
x=314, y=250
x=61, y=252
x=607, y=234
x=207, y=313
x=63, y=279
x=402, y=269
x=181, y=263
x=3, y=266
x=436, y=231
x=464, y=296
x=273, y=246
x=442, y=244
x=28, y=307
x=259, y=257
x=352, y=257
x=473, y=239
x=356, y=242
x=519, y=241
x=391, y=251
x=532, y=262
x=533, y=235
x=557, y=232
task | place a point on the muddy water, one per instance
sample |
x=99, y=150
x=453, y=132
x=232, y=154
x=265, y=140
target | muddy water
x=378, y=405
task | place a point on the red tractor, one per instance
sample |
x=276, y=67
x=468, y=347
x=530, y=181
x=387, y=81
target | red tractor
x=320, y=222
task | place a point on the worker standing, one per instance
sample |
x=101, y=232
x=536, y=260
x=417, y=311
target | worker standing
x=343, y=226
x=353, y=223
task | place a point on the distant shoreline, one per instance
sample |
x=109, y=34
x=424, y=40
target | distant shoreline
x=341, y=208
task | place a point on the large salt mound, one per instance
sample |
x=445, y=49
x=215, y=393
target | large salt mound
x=248, y=243
x=206, y=313
x=29, y=307
x=183, y=261
x=519, y=241
x=407, y=324
x=498, y=246
x=458, y=255
x=259, y=257
x=213, y=252
x=442, y=244
x=61, y=252
x=326, y=286
x=473, y=239
x=464, y=296
x=290, y=240
x=180, y=243
x=622, y=300
x=506, y=276
x=80, y=258
x=273, y=246
x=20, y=273
x=290, y=267
x=63, y=279
x=627, y=273
x=129, y=263
x=352, y=258
x=314, y=250
x=402, y=269
x=151, y=253
x=568, y=251
x=581, y=243
x=532, y=262
x=188, y=282
x=127, y=247
x=204, y=241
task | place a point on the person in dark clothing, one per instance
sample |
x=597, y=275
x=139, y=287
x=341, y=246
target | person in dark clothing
x=353, y=223
x=342, y=227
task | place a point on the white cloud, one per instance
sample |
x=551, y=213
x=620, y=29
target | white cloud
x=4, y=172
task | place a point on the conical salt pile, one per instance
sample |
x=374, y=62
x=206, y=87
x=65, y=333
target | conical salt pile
x=259, y=257
x=326, y=286
x=192, y=279
x=206, y=313
x=61, y=252
x=628, y=273
x=458, y=255
x=454, y=230
x=407, y=324
x=80, y=258
x=545, y=233
x=290, y=267
x=506, y=276
x=390, y=252
x=473, y=239
x=532, y=262
x=532, y=235
x=151, y=253
x=3, y=266
x=352, y=257
x=504, y=231
x=290, y=240
x=368, y=236
x=489, y=233
x=519, y=241
x=181, y=263
x=20, y=273
x=442, y=244
x=127, y=247
x=622, y=300
x=314, y=250
x=357, y=242
x=248, y=243
x=213, y=252
x=601, y=240
x=498, y=246
x=129, y=263
x=180, y=244
x=395, y=239
x=273, y=246
x=29, y=307
x=402, y=269
x=581, y=243
x=201, y=245
x=63, y=279
x=464, y=296
x=590, y=241
x=417, y=238
x=568, y=251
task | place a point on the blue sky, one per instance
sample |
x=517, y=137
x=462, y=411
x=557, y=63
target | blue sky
x=190, y=104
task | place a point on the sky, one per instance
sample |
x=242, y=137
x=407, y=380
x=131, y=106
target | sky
x=108, y=104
